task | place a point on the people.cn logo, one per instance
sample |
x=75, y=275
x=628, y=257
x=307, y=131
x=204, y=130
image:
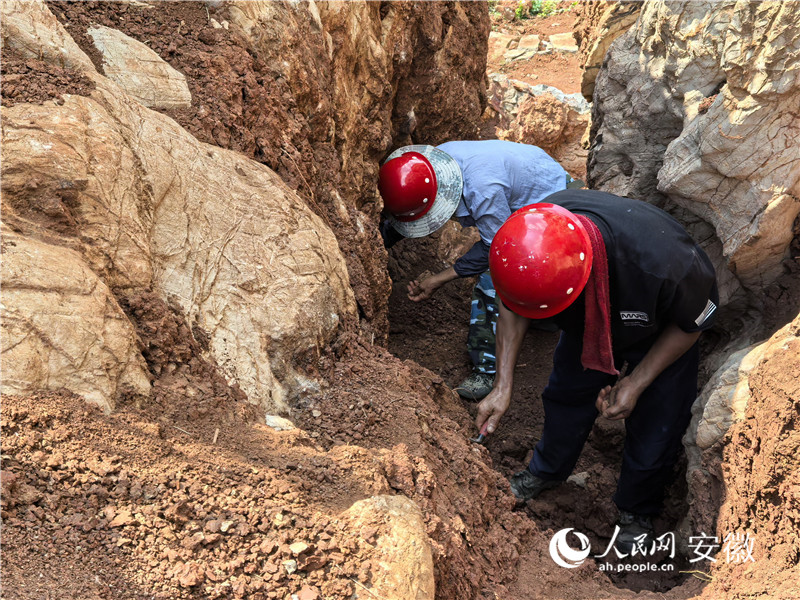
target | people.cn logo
x=563, y=554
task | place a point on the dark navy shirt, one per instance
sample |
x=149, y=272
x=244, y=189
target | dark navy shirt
x=657, y=273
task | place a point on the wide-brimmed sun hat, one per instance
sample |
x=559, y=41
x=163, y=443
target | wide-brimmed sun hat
x=421, y=187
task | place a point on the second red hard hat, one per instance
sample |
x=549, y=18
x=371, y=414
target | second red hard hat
x=540, y=260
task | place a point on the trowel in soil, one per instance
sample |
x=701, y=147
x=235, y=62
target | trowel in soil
x=482, y=435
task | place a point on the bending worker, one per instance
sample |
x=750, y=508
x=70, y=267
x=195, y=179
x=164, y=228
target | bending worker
x=480, y=183
x=625, y=283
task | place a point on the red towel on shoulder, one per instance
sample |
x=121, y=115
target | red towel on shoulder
x=597, y=353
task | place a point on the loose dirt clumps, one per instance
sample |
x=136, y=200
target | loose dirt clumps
x=35, y=81
x=186, y=495
x=174, y=355
x=125, y=507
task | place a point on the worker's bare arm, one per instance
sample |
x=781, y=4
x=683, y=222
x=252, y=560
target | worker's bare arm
x=422, y=289
x=618, y=402
x=511, y=329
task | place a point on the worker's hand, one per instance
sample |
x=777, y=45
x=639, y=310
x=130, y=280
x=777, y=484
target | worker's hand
x=422, y=289
x=618, y=402
x=491, y=409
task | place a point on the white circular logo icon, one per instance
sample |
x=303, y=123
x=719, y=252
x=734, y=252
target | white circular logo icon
x=564, y=555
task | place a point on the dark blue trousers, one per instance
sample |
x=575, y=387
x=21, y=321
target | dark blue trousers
x=653, y=431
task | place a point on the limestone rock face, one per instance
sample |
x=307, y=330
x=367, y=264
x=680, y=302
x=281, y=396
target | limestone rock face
x=62, y=326
x=696, y=108
x=140, y=71
x=147, y=205
x=599, y=24
x=402, y=565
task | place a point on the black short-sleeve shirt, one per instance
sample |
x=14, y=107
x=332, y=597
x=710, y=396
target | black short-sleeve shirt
x=657, y=273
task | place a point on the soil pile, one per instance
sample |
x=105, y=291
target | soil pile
x=30, y=80
x=192, y=497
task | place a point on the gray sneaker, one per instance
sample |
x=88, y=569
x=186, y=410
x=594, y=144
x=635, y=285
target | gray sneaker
x=527, y=486
x=476, y=387
x=631, y=528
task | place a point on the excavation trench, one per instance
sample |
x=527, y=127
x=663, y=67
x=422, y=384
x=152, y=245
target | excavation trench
x=133, y=504
x=434, y=334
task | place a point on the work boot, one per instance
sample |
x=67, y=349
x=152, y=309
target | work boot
x=476, y=387
x=527, y=486
x=631, y=528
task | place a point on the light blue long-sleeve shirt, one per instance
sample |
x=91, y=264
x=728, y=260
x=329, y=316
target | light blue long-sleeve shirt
x=500, y=177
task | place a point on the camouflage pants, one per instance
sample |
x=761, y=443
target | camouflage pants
x=483, y=325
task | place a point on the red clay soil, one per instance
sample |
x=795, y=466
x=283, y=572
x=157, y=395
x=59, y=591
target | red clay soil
x=34, y=81
x=761, y=466
x=143, y=503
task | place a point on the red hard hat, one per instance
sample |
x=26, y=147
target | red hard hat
x=408, y=186
x=540, y=260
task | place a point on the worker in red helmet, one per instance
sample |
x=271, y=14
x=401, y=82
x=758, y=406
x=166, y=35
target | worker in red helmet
x=625, y=283
x=480, y=183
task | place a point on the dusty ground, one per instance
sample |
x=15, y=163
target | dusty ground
x=560, y=70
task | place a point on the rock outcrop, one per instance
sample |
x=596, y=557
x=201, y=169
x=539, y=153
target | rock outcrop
x=402, y=564
x=320, y=92
x=695, y=109
x=543, y=116
x=63, y=328
x=145, y=205
x=140, y=71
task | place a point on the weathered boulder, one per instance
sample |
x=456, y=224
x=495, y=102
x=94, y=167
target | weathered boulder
x=543, y=116
x=599, y=23
x=530, y=41
x=140, y=71
x=62, y=326
x=402, y=563
x=147, y=205
x=320, y=92
x=500, y=43
x=696, y=108
x=563, y=42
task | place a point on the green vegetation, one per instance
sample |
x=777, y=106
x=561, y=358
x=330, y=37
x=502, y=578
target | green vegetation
x=538, y=8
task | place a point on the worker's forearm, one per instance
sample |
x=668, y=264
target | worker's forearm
x=511, y=329
x=669, y=347
x=445, y=276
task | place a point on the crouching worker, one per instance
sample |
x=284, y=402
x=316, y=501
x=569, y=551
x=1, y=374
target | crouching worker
x=480, y=183
x=625, y=283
